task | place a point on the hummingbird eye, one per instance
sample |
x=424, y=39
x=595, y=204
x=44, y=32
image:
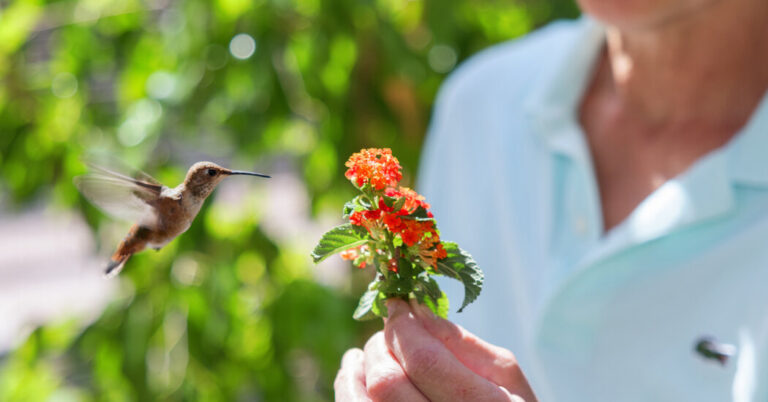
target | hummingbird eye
x=211, y=172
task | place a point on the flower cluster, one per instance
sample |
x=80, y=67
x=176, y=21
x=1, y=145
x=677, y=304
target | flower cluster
x=374, y=166
x=394, y=213
x=390, y=228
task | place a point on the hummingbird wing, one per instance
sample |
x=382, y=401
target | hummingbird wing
x=120, y=195
x=113, y=167
x=148, y=188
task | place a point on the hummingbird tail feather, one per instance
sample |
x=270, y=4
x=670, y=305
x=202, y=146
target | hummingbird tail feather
x=134, y=242
x=116, y=264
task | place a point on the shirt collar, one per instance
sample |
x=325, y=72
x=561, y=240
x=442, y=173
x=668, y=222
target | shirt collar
x=702, y=192
x=746, y=152
x=552, y=105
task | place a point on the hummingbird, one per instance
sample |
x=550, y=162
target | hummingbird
x=159, y=213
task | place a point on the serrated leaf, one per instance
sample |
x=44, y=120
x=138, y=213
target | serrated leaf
x=359, y=203
x=379, y=305
x=364, y=310
x=460, y=266
x=339, y=239
x=431, y=287
x=443, y=306
x=430, y=295
x=349, y=209
x=397, y=285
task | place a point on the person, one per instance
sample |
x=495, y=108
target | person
x=609, y=175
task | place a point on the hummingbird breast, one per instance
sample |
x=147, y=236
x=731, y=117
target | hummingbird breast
x=174, y=217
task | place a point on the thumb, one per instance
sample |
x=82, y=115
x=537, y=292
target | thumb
x=489, y=361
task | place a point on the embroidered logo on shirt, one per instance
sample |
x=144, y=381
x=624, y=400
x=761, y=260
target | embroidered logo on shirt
x=709, y=348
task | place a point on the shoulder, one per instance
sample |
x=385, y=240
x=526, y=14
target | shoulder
x=510, y=67
x=479, y=120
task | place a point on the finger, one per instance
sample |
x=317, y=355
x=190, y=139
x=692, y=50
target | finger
x=431, y=367
x=489, y=361
x=384, y=377
x=350, y=381
x=515, y=397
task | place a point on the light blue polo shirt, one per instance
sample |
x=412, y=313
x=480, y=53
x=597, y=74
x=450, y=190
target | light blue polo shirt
x=594, y=316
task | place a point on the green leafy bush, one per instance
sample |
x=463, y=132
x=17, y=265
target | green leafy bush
x=165, y=83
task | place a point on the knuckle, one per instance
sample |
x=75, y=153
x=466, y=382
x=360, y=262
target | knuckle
x=423, y=362
x=348, y=354
x=385, y=385
x=374, y=340
x=506, y=359
x=340, y=380
x=337, y=383
x=351, y=359
x=398, y=321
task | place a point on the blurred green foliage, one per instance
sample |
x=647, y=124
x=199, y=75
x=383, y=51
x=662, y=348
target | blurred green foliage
x=226, y=312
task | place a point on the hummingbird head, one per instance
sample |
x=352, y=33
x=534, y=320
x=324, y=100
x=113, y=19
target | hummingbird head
x=203, y=177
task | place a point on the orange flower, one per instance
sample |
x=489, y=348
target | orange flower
x=375, y=166
x=431, y=250
x=364, y=218
x=356, y=255
x=382, y=170
x=414, y=231
x=413, y=200
x=349, y=254
x=370, y=220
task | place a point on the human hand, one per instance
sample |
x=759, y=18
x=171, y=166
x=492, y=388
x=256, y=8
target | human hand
x=420, y=357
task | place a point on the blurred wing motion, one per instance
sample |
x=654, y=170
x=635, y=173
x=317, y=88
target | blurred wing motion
x=120, y=195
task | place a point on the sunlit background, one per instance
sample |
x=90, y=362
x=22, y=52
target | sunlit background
x=233, y=309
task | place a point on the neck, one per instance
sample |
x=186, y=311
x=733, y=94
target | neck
x=709, y=66
x=195, y=194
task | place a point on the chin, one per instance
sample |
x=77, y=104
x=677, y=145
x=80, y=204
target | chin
x=640, y=14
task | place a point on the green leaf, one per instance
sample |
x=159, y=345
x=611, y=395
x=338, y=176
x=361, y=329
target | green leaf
x=389, y=201
x=339, y=239
x=379, y=305
x=364, y=310
x=405, y=266
x=349, y=208
x=442, y=307
x=430, y=286
x=372, y=302
x=420, y=214
x=460, y=265
x=359, y=203
x=397, y=285
x=430, y=295
x=399, y=204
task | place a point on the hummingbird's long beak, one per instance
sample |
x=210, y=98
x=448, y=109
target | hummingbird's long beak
x=233, y=172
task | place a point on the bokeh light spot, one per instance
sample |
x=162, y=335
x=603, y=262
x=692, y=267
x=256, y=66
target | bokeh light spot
x=141, y=119
x=161, y=84
x=442, y=58
x=242, y=46
x=64, y=85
